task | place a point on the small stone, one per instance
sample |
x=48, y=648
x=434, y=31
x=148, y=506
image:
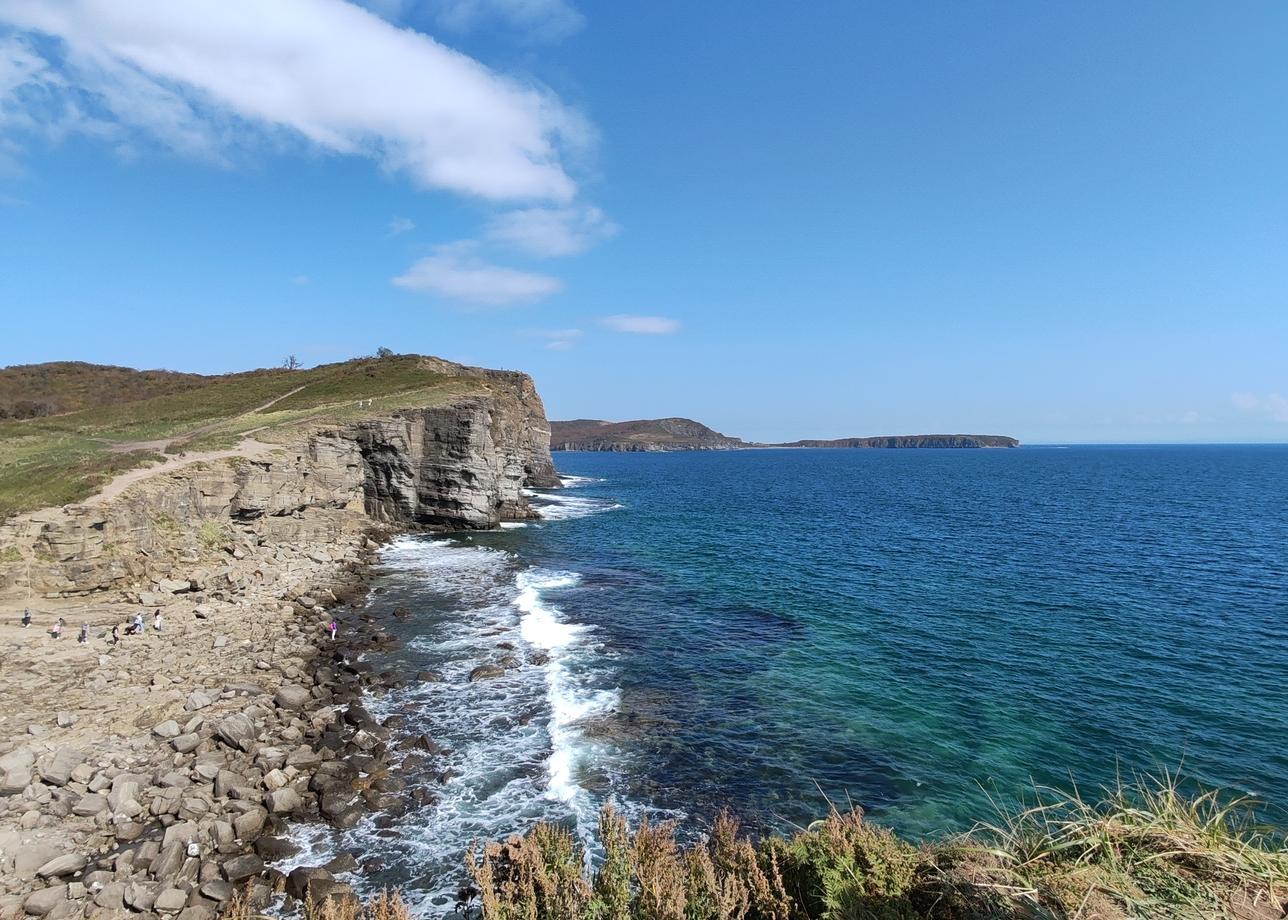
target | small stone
x=167, y=729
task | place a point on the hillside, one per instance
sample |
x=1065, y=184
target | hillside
x=37, y=390
x=913, y=440
x=641, y=435
x=126, y=419
x=685, y=434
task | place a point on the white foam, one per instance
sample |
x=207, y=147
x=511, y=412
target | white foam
x=542, y=625
x=572, y=482
x=553, y=506
x=513, y=525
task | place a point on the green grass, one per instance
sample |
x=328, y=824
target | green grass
x=66, y=458
x=1149, y=848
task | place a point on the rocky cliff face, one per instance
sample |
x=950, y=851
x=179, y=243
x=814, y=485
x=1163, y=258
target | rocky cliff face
x=457, y=466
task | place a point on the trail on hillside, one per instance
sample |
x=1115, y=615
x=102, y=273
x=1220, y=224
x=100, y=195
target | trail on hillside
x=247, y=447
x=125, y=447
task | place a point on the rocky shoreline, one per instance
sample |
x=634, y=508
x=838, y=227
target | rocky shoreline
x=174, y=786
x=156, y=777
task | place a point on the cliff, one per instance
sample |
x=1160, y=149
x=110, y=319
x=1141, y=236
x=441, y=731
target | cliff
x=461, y=462
x=642, y=435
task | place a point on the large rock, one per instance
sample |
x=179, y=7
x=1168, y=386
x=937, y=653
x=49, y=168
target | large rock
x=237, y=731
x=59, y=770
x=41, y=902
x=59, y=866
x=283, y=801
x=243, y=867
x=291, y=696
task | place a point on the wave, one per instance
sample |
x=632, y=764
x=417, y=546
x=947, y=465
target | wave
x=553, y=506
x=542, y=626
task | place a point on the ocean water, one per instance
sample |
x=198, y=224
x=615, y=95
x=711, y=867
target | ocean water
x=912, y=631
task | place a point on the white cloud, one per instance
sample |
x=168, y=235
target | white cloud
x=456, y=273
x=401, y=225
x=641, y=325
x=203, y=77
x=1272, y=405
x=546, y=20
x=549, y=232
x=556, y=339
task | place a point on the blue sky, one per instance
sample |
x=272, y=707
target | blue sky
x=1064, y=222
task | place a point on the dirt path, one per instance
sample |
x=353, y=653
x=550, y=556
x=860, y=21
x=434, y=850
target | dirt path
x=124, y=447
x=248, y=448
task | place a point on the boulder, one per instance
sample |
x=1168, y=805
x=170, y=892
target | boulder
x=301, y=880
x=291, y=696
x=486, y=671
x=237, y=731
x=185, y=743
x=243, y=867
x=89, y=805
x=171, y=901
x=39, y=903
x=283, y=801
x=59, y=770
x=59, y=866
x=167, y=729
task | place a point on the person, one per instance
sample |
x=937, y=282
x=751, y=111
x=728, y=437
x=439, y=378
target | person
x=116, y=633
x=334, y=628
x=57, y=630
x=84, y=634
x=136, y=628
x=157, y=622
x=26, y=617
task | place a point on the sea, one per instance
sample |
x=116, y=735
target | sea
x=925, y=634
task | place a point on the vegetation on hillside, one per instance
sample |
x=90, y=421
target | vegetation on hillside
x=1146, y=849
x=61, y=458
x=39, y=390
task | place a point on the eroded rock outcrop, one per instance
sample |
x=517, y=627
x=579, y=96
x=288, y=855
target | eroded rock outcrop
x=459, y=465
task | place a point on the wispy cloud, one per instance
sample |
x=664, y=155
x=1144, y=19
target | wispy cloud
x=301, y=279
x=203, y=78
x=555, y=339
x=400, y=225
x=457, y=274
x=1273, y=405
x=551, y=232
x=641, y=325
x=544, y=20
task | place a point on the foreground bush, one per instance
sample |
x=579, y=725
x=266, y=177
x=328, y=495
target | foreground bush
x=1146, y=849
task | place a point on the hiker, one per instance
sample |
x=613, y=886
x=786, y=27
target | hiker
x=26, y=617
x=116, y=633
x=157, y=623
x=334, y=627
x=57, y=629
x=84, y=634
x=136, y=628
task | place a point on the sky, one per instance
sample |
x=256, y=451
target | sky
x=1065, y=222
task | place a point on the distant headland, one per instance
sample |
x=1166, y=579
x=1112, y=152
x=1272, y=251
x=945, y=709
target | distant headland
x=663, y=434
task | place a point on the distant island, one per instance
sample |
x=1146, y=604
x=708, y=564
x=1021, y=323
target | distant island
x=663, y=434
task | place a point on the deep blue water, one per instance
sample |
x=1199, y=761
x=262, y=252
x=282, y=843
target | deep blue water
x=903, y=629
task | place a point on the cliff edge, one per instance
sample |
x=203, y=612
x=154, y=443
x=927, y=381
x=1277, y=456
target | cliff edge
x=455, y=451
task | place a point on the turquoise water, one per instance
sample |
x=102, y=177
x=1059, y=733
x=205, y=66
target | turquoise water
x=899, y=629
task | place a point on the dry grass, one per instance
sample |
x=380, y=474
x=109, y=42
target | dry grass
x=1148, y=848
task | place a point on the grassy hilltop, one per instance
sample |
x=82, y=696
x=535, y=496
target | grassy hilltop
x=118, y=419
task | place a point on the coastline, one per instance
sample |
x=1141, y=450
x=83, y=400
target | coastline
x=163, y=772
